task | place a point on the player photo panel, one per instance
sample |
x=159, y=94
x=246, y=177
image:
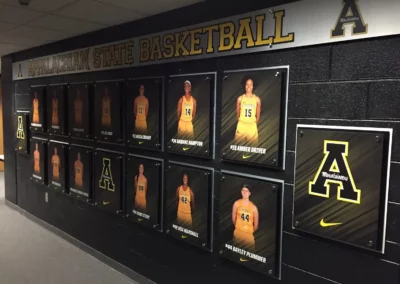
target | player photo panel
x=189, y=204
x=80, y=173
x=79, y=112
x=253, y=116
x=56, y=109
x=250, y=222
x=340, y=186
x=108, y=181
x=189, y=108
x=143, y=190
x=57, y=165
x=39, y=152
x=37, y=95
x=21, y=134
x=108, y=112
x=143, y=107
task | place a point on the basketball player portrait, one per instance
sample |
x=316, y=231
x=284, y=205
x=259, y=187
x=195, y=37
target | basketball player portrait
x=55, y=163
x=105, y=109
x=140, y=111
x=78, y=107
x=140, y=190
x=54, y=108
x=248, y=111
x=245, y=220
x=78, y=171
x=186, y=112
x=185, y=202
x=35, y=118
x=36, y=160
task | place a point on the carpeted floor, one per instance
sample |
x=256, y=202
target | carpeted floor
x=30, y=254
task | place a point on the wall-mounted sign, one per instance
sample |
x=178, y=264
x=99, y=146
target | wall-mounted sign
x=284, y=26
x=21, y=134
x=341, y=183
x=39, y=153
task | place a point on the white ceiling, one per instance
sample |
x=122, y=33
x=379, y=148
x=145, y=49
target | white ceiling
x=45, y=21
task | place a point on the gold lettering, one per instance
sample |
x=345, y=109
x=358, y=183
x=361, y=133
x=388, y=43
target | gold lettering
x=244, y=33
x=112, y=56
x=118, y=50
x=260, y=32
x=279, y=38
x=168, y=46
x=144, y=50
x=210, y=32
x=106, y=56
x=226, y=35
x=96, y=58
x=156, y=49
x=76, y=61
x=180, y=44
x=129, y=53
x=195, y=41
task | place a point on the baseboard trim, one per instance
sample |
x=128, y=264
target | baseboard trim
x=140, y=279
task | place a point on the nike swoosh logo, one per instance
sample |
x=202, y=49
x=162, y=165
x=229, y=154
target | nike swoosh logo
x=140, y=219
x=106, y=203
x=185, y=149
x=243, y=260
x=141, y=142
x=184, y=237
x=323, y=224
x=246, y=157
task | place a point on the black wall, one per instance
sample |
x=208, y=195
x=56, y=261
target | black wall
x=353, y=84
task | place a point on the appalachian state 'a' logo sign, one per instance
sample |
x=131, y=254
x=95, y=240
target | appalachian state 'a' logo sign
x=350, y=15
x=20, y=129
x=106, y=179
x=334, y=172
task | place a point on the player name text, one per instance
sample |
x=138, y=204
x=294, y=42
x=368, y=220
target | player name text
x=107, y=133
x=79, y=192
x=78, y=129
x=248, y=149
x=144, y=137
x=140, y=214
x=186, y=231
x=56, y=183
x=37, y=177
x=36, y=124
x=246, y=253
x=334, y=176
x=187, y=142
x=55, y=127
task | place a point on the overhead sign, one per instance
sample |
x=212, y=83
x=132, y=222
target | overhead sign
x=296, y=24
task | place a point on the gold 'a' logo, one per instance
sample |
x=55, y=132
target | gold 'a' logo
x=335, y=170
x=20, y=129
x=350, y=14
x=106, y=179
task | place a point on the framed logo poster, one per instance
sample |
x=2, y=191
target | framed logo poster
x=38, y=107
x=190, y=127
x=341, y=183
x=22, y=134
x=57, y=109
x=250, y=222
x=254, y=103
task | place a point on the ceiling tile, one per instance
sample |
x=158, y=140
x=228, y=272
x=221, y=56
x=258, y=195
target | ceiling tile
x=18, y=40
x=70, y=25
x=17, y=15
x=40, y=5
x=6, y=26
x=6, y=48
x=38, y=33
x=98, y=12
x=150, y=7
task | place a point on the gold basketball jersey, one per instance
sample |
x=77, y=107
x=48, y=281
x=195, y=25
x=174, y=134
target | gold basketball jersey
x=78, y=104
x=184, y=200
x=248, y=108
x=36, y=157
x=54, y=117
x=245, y=217
x=55, y=162
x=105, y=113
x=141, y=104
x=140, y=197
x=35, y=118
x=78, y=170
x=187, y=109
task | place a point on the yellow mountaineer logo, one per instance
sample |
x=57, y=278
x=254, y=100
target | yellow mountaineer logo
x=106, y=179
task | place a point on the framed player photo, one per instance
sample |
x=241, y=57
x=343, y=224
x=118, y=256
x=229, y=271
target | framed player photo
x=39, y=159
x=108, y=124
x=22, y=96
x=143, y=112
x=108, y=176
x=190, y=129
x=38, y=107
x=58, y=165
x=57, y=109
x=22, y=134
x=79, y=110
x=250, y=222
x=80, y=172
x=189, y=204
x=143, y=190
x=341, y=183
x=254, y=116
